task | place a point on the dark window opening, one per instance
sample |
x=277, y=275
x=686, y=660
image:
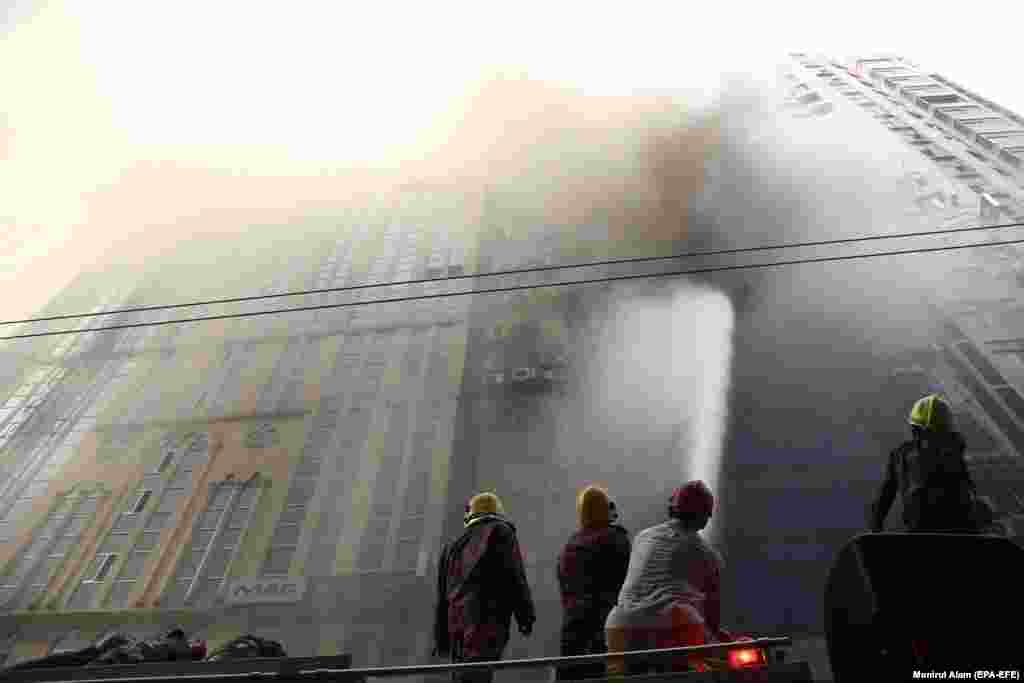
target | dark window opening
x=106, y=564
x=141, y=501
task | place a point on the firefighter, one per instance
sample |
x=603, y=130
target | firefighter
x=591, y=569
x=930, y=473
x=671, y=595
x=481, y=583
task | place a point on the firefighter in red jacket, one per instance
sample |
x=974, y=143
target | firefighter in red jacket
x=481, y=583
x=591, y=569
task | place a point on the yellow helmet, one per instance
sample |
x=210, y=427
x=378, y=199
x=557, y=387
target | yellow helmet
x=932, y=413
x=482, y=503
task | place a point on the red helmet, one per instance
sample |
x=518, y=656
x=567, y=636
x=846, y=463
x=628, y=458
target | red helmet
x=692, y=498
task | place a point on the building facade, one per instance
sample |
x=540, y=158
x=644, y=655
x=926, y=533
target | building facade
x=295, y=475
x=975, y=142
x=188, y=473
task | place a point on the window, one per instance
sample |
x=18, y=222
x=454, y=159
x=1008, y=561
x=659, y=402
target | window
x=104, y=563
x=140, y=502
x=205, y=563
x=941, y=98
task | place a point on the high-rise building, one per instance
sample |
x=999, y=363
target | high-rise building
x=974, y=142
x=286, y=473
x=818, y=398
x=294, y=475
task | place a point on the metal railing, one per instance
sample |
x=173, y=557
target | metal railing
x=549, y=662
x=283, y=670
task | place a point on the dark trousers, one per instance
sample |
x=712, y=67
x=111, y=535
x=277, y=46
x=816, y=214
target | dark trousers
x=484, y=643
x=583, y=634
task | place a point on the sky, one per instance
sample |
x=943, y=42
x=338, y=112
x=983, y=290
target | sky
x=94, y=90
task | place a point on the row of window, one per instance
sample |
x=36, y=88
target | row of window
x=394, y=531
x=963, y=356
x=150, y=511
x=216, y=538
x=992, y=128
x=122, y=556
x=958, y=170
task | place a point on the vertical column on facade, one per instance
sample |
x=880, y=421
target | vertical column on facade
x=291, y=533
x=405, y=533
x=441, y=418
x=371, y=456
x=377, y=551
x=339, y=434
x=294, y=529
x=334, y=272
x=359, y=236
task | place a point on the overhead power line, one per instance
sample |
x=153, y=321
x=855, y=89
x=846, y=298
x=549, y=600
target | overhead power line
x=514, y=271
x=498, y=290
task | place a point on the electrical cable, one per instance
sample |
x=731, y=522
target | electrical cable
x=517, y=271
x=497, y=290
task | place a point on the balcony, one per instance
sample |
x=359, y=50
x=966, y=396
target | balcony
x=968, y=176
x=966, y=111
x=934, y=99
x=1014, y=157
x=967, y=126
x=884, y=71
x=995, y=126
x=950, y=115
x=938, y=153
x=996, y=141
x=912, y=86
x=894, y=82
